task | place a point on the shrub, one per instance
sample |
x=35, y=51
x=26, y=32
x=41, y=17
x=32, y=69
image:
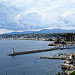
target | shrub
x=73, y=73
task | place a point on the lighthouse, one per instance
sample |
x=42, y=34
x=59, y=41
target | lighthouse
x=12, y=50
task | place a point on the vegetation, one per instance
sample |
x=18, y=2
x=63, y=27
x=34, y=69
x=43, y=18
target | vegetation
x=73, y=73
x=60, y=37
x=66, y=38
x=42, y=35
x=69, y=36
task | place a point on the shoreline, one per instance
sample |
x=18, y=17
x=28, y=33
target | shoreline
x=26, y=39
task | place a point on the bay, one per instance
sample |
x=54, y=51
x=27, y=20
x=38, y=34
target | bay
x=29, y=64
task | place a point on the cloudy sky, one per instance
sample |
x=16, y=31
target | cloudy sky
x=22, y=15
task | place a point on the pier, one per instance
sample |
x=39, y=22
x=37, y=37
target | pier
x=35, y=51
x=62, y=58
x=32, y=51
x=68, y=64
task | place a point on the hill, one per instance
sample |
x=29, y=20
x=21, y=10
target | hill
x=45, y=31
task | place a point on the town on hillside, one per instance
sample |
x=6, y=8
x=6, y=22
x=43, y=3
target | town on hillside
x=57, y=37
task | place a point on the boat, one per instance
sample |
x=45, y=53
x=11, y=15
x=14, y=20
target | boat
x=63, y=47
x=66, y=61
x=67, y=66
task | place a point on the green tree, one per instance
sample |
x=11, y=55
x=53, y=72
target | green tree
x=73, y=73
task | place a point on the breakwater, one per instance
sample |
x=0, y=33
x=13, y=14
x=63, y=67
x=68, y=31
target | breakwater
x=33, y=51
x=62, y=58
x=68, y=64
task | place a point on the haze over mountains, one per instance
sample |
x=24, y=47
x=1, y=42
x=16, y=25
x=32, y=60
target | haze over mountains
x=46, y=31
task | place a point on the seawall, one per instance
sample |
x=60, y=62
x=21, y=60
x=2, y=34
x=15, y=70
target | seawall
x=33, y=51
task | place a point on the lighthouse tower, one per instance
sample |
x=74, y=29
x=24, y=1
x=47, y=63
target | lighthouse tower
x=12, y=50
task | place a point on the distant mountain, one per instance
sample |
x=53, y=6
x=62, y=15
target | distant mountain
x=57, y=30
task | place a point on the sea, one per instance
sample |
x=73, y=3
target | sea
x=29, y=64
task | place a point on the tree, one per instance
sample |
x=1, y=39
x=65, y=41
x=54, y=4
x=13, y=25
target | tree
x=73, y=73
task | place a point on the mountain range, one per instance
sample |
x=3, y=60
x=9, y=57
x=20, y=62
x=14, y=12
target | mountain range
x=57, y=30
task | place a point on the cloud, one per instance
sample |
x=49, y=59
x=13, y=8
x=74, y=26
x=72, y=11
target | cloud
x=36, y=14
x=2, y=31
x=31, y=19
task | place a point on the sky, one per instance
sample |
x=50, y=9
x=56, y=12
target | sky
x=23, y=15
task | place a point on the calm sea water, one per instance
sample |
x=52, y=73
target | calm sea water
x=29, y=64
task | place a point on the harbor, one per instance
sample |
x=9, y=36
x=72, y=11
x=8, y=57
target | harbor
x=68, y=63
x=24, y=63
x=69, y=58
x=58, y=46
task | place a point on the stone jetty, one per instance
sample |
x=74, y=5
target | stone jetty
x=32, y=51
